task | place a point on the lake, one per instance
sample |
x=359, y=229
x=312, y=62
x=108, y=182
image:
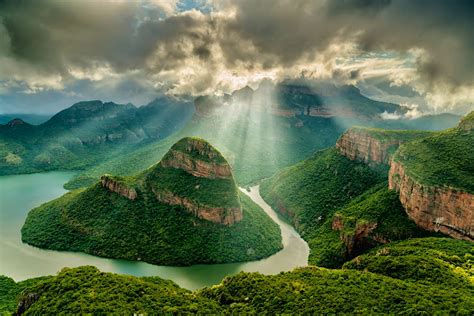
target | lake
x=21, y=193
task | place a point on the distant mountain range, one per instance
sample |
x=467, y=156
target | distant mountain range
x=86, y=133
x=260, y=130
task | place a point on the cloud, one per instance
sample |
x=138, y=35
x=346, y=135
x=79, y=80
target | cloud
x=175, y=48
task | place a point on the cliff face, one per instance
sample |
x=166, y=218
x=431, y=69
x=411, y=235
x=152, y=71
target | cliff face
x=359, y=144
x=434, y=208
x=118, y=187
x=220, y=215
x=198, y=168
x=355, y=238
x=208, y=191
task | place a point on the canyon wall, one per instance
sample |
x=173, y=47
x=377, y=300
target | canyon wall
x=118, y=187
x=434, y=208
x=361, y=144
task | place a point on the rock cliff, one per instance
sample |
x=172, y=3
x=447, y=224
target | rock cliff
x=195, y=176
x=434, y=208
x=116, y=185
x=197, y=158
x=435, y=179
x=373, y=146
x=352, y=238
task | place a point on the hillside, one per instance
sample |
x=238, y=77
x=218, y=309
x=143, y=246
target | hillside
x=307, y=290
x=85, y=134
x=443, y=261
x=435, y=179
x=185, y=209
x=341, y=207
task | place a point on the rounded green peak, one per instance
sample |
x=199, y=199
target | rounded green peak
x=199, y=149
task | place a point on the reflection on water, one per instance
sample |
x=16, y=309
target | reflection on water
x=20, y=193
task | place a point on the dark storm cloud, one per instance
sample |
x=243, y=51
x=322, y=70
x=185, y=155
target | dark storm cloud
x=53, y=36
x=289, y=30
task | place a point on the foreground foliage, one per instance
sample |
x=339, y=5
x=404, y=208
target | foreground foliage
x=304, y=290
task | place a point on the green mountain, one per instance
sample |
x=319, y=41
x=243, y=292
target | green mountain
x=444, y=159
x=341, y=207
x=434, y=177
x=86, y=134
x=185, y=209
x=260, y=131
x=309, y=290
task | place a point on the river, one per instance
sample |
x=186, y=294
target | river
x=20, y=193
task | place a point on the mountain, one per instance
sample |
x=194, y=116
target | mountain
x=416, y=289
x=86, y=133
x=340, y=203
x=185, y=209
x=34, y=119
x=341, y=207
x=255, y=131
x=435, y=179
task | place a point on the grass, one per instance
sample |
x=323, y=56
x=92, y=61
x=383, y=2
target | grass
x=444, y=159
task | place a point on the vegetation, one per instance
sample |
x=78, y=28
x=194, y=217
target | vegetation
x=387, y=135
x=85, y=290
x=86, y=134
x=443, y=261
x=104, y=223
x=331, y=200
x=444, y=159
x=373, y=218
x=10, y=292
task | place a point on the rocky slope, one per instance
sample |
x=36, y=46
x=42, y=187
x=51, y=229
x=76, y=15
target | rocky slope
x=434, y=208
x=115, y=184
x=373, y=146
x=435, y=179
x=205, y=170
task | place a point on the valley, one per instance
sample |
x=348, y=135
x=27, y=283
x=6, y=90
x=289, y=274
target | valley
x=169, y=212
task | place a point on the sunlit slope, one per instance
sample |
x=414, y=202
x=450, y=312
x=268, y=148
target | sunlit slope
x=341, y=207
x=180, y=211
x=444, y=159
x=86, y=134
x=305, y=290
x=256, y=144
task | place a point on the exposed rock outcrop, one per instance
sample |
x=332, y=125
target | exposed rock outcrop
x=220, y=215
x=118, y=186
x=354, y=238
x=218, y=202
x=25, y=302
x=434, y=208
x=360, y=144
x=196, y=167
x=372, y=145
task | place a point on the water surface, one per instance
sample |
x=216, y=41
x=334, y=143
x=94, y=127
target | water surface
x=20, y=193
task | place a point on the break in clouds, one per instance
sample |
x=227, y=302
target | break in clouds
x=415, y=52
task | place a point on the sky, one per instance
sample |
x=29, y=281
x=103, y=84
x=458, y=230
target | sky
x=418, y=53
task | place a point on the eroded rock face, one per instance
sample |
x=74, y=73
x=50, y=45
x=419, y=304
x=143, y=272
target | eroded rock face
x=355, y=238
x=196, y=167
x=357, y=144
x=118, y=187
x=220, y=215
x=433, y=208
x=201, y=160
x=25, y=302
